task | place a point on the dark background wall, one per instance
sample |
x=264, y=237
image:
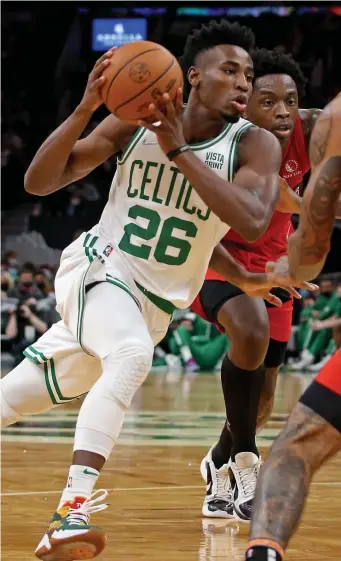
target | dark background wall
x=47, y=54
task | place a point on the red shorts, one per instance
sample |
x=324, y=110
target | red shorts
x=323, y=396
x=330, y=375
x=280, y=319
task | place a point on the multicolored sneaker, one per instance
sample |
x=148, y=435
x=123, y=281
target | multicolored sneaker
x=70, y=536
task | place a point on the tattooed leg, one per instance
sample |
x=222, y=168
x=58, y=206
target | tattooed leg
x=303, y=446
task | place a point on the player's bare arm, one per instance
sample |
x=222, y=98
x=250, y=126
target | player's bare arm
x=257, y=285
x=246, y=204
x=63, y=158
x=309, y=245
x=332, y=322
x=289, y=201
x=338, y=208
x=308, y=440
x=309, y=118
x=254, y=284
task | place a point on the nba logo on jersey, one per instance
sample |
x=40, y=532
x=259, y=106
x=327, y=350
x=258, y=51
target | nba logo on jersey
x=107, y=250
x=69, y=482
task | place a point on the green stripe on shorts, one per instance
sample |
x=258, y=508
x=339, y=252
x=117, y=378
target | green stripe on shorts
x=125, y=287
x=81, y=306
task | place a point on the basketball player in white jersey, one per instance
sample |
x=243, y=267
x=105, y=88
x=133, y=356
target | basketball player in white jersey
x=119, y=283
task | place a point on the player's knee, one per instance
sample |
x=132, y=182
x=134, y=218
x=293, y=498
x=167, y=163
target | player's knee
x=8, y=415
x=126, y=369
x=250, y=344
x=255, y=340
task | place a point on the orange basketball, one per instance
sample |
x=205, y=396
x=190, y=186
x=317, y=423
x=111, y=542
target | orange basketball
x=138, y=75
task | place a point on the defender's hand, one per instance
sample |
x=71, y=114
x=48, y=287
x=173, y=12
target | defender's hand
x=169, y=131
x=278, y=275
x=256, y=285
x=91, y=98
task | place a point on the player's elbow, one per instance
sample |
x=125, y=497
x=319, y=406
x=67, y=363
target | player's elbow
x=252, y=234
x=30, y=186
x=255, y=229
x=34, y=187
x=257, y=221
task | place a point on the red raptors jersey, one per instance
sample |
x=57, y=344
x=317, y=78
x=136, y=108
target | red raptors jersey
x=273, y=243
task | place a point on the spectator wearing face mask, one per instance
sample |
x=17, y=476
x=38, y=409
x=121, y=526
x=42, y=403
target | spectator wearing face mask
x=43, y=283
x=48, y=303
x=25, y=287
x=10, y=261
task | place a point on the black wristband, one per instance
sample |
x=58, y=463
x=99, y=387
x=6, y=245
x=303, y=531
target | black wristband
x=170, y=155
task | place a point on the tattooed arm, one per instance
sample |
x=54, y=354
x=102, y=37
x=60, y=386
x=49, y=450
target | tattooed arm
x=304, y=445
x=309, y=245
x=309, y=118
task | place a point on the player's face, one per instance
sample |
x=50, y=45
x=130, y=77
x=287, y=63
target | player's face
x=223, y=80
x=274, y=104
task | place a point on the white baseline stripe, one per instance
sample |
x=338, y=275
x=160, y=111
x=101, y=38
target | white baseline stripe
x=128, y=489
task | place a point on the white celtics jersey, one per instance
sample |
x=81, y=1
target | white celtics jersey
x=164, y=230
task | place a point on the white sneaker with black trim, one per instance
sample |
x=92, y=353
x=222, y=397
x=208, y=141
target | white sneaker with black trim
x=218, y=502
x=245, y=470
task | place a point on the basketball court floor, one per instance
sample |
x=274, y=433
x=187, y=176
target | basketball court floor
x=156, y=488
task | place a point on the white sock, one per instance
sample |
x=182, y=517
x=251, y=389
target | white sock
x=80, y=483
x=185, y=353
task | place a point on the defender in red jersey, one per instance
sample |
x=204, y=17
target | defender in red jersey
x=258, y=332
x=313, y=432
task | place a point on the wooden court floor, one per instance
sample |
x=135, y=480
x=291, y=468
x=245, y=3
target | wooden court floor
x=157, y=492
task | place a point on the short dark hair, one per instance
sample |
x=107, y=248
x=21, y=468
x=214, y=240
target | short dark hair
x=27, y=268
x=213, y=34
x=276, y=62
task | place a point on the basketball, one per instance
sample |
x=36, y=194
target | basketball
x=138, y=75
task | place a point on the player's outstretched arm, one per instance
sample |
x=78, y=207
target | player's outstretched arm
x=257, y=285
x=62, y=158
x=289, y=201
x=246, y=204
x=309, y=245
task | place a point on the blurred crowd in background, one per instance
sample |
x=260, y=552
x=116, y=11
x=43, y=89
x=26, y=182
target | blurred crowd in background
x=46, y=57
x=191, y=344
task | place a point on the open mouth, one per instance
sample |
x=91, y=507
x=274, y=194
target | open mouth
x=240, y=103
x=283, y=130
